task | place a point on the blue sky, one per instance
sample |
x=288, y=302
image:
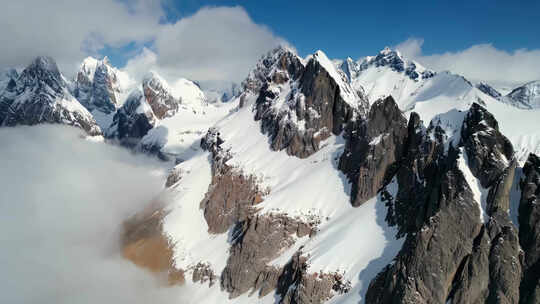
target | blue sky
x=359, y=28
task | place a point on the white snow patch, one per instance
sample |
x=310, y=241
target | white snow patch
x=185, y=224
x=479, y=193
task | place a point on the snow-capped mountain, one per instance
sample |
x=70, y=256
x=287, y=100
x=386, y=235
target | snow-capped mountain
x=526, y=96
x=101, y=88
x=387, y=73
x=132, y=120
x=369, y=181
x=159, y=96
x=40, y=95
x=302, y=191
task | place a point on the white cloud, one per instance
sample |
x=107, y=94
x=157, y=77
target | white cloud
x=68, y=30
x=480, y=62
x=214, y=44
x=62, y=204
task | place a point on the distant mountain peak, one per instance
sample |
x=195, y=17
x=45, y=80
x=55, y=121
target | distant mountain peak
x=98, y=85
x=41, y=96
x=526, y=96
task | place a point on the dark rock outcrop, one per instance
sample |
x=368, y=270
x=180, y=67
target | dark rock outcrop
x=529, y=230
x=132, y=121
x=159, y=97
x=373, y=147
x=97, y=85
x=488, y=150
x=450, y=254
x=40, y=95
x=488, y=90
x=299, y=106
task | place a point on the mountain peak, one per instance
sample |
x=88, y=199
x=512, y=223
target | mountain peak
x=526, y=96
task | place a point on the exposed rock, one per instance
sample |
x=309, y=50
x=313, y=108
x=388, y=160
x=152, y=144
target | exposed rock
x=452, y=255
x=393, y=60
x=132, y=121
x=257, y=238
x=489, y=151
x=202, y=273
x=417, y=173
x=529, y=230
x=40, y=95
x=159, y=96
x=231, y=198
x=97, y=85
x=488, y=90
x=372, y=148
x=145, y=244
x=174, y=176
x=296, y=285
x=301, y=105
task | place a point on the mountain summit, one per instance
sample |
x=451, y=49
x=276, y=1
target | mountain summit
x=40, y=95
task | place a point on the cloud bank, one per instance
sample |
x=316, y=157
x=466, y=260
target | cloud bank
x=62, y=204
x=480, y=62
x=214, y=44
x=71, y=30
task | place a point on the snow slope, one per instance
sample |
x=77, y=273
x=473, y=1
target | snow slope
x=310, y=188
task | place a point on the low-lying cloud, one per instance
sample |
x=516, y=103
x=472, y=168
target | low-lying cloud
x=62, y=204
x=481, y=62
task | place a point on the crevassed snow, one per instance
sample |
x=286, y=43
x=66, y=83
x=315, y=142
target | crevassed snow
x=479, y=193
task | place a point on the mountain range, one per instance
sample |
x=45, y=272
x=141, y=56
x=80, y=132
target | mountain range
x=316, y=180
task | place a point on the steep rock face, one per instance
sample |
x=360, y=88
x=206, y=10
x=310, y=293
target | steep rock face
x=489, y=151
x=418, y=172
x=159, y=96
x=40, y=95
x=475, y=261
x=133, y=120
x=529, y=230
x=97, y=85
x=373, y=146
x=301, y=105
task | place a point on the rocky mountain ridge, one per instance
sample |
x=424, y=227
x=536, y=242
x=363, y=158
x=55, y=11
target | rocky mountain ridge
x=305, y=188
x=40, y=95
